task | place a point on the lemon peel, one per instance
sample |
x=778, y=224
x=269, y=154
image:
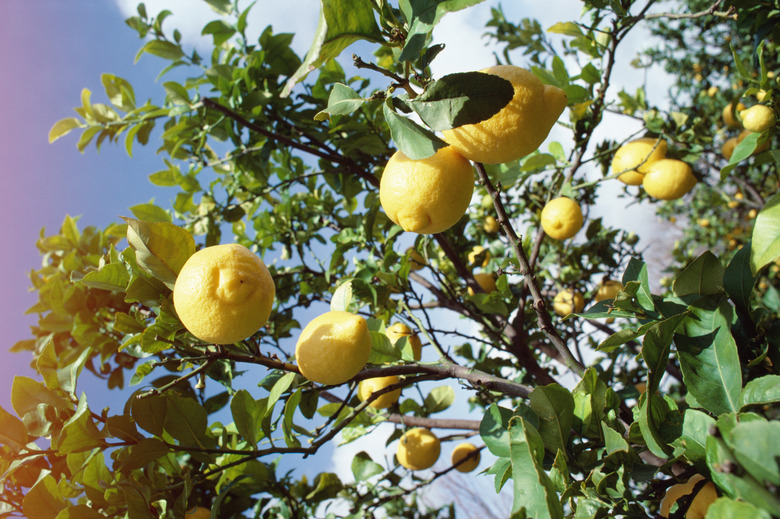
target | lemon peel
x=518, y=128
x=633, y=158
x=426, y=196
x=461, y=451
x=418, y=449
x=668, y=179
x=484, y=280
x=758, y=118
x=223, y=293
x=568, y=301
x=333, y=347
x=372, y=385
x=490, y=225
x=561, y=218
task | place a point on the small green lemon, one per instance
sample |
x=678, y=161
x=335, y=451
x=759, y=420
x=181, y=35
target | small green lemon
x=561, y=218
x=418, y=449
x=634, y=157
x=668, y=179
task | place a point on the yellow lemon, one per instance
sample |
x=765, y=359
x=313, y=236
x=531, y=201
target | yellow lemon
x=418, y=449
x=635, y=157
x=758, y=118
x=608, y=290
x=703, y=222
x=398, y=330
x=518, y=128
x=701, y=502
x=426, y=196
x=727, y=150
x=416, y=261
x=333, y=347
x=198, y=512
x=568, y=301
x=712, y=91
x=372, y=385
x=490, y=225
x=476, y=252
x=460, y=452
x=223, y=294
x=668, y=179
x=484, y=280
x=728, y=114
x=561, y=218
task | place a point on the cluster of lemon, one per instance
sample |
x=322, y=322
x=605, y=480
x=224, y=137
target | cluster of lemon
x=755, y=119
x=643, y=162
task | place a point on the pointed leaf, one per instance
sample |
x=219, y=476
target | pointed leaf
x=416, y=142
x=554, y=406
x=161, y=248
x=703, y=276
x=63, y=127
x=765, y=243
x=760, y=391
x=738, y=280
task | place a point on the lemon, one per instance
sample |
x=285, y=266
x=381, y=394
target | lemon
x=490, y=225
x=728, y=114
x=333, y=347
x=461, y=451
x=701, y=502
x=634, y=157
x=712, y=91
x=372, y=385
x=484, y=280
x=561, y=218
x=703, y=222
x=223, y=294
x=426, y=196
x=398, y=330
x=518, y=128
x=568, y=301
x=727, y=150
x=668, y=179
x=416, y=261
x=418, y=449
x=198, y=512
x=476, y=252
x=608, y=290
x=758, y=118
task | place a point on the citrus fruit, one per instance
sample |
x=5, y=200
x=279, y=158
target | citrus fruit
x=418, y=449
x=668, y=179
x=728, y=114
x=701, y=502
x=461, y=451
x=518, y=128
x=727, y=150
x=568, y=301
x=561, y=218
x=223, y=294
x=198, y=512
x=608, y=290
x=372, y=385
x=634, y=157
x=398, y=330
x=758, y=118
x=416, y=261
x=484, y=280
x=426, y=196
x=333, y=347
x=490, y=225
x=476, y=252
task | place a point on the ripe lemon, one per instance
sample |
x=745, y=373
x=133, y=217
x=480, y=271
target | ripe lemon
x=461, y=451
x=371, y=385
x=568, y=301
x=223, y=294
x=418, y=449
x=426, y=196
x=484, y=280
x=758, y=118
x=398, y=330
x=728, y=114
x=701, y=502
x=490, y=225
x=608, y=290
x=416, y=261
x=727, y=150
x=198, y=513
x=561, y=218
x=668, y=179
x=476, y=252
x=634, y=158
x=517, y=129
x=333, y=347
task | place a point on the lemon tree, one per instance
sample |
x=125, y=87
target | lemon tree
x=329, y=212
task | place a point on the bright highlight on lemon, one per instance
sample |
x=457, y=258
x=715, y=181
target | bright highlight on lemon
x=372, y=385
x=418, y=449
x=223, y=294
x=561, y=218
x=633, y=159
x=517, y=129
x=462, y=451
x=333, y=347
x=426, y=196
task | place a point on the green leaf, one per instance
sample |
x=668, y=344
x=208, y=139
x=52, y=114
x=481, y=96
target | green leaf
x=439, y=399
x=290, y=408
x=161, y=248
x=63, y=127
x=534, y=492
x=43, y=500
x=27, y=394
x=493, y=429
x=554, y=406
x=162, y=49
x=278, y=389
x=462, y=98
x=656, y=347
x=613, y=440
x=692, y=442
x=703, y=276
x=765, y=243
x=247, y=415
x=743, y=151
x=567, y=28
x=151, y=213
x=727, y=508
x=708, y=355
x=112, y=276
x=220, y=31
x=637, y=271
x=149, y=413
x=187, y=422
x=760, y=391
x=342, y=101
x=757, y=450
x=623, y=336
x=342, y=297
x=593, y=400
x=652, y=411
x=384, y=351
x=423, y=16
x=12, y=431
x=79, y=433
x=412, y=139
x=738, y=279
x=341, y=23
x=363, y=467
